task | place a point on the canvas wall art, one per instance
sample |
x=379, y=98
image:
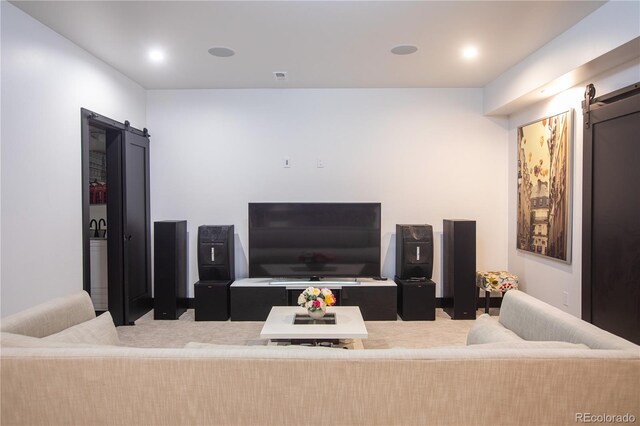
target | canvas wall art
x=544, y=187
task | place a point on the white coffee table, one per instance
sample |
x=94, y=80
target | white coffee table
x=349, y=325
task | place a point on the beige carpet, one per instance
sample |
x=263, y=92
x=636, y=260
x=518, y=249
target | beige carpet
x=382, y=334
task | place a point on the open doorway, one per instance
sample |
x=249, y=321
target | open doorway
x=116, y=226
x=98, y=256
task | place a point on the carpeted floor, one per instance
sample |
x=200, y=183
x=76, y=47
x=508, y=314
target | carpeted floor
x=382, y=334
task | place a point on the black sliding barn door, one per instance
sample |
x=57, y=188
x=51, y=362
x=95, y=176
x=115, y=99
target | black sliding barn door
x=611, y=246
x=136, y=226
x=129, y=226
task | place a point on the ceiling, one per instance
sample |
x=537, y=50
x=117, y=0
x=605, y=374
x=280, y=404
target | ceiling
x=320, y=44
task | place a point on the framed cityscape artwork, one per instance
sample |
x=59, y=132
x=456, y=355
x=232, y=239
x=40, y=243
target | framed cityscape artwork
x=544, y=187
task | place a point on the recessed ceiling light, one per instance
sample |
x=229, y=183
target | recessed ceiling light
x=404, y=49
x=470, y=52
x=221, y=52
x=156, y=55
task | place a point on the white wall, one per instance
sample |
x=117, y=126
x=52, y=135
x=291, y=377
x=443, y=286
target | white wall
x=544, y=278
x=425, y=154
x=46, y=79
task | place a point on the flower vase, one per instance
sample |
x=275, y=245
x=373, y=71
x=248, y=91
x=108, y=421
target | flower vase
x=318, y=313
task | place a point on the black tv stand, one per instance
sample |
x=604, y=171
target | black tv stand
x=252, y=298
x=314, y=279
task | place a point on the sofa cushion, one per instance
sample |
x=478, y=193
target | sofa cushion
x=487, y=330
x=50, y=317
x=10, y=340
x=533, y=319
x=98, y=331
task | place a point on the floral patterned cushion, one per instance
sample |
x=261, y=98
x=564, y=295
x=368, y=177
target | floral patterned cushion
x=496, y=281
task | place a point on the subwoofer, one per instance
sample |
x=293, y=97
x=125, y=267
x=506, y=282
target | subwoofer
x=211, y=300
x=170, y=269
x=459, y=275
x=216, y=253
x=416, y=300
x=414, y=251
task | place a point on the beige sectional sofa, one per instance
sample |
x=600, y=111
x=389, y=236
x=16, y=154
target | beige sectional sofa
x=535, y=365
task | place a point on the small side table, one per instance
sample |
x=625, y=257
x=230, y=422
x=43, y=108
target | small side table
x=489, y=281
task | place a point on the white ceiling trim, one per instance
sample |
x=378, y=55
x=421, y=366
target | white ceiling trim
x=587, y=49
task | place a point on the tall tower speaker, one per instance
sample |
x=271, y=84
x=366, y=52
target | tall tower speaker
x=414, y=251
x=216, y=253
x=459, y=255
x=170, y=269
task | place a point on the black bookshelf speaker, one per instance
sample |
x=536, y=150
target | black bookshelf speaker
x=216, y=253
x=170, y=269
x=459, y=275
x=414, y=251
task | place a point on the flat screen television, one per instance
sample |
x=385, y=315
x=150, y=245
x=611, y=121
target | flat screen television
x=314, y=240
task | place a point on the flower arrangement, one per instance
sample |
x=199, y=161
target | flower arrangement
x=315, y=299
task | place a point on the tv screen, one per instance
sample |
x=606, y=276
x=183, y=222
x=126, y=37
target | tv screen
x=309, y=240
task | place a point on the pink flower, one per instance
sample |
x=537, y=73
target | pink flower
x=316, y=303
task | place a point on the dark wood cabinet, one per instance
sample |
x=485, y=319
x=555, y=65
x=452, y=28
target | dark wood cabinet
x=255, y=303
x=376, y=303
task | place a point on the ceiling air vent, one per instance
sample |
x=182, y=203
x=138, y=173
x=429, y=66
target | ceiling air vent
x=280, y=75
